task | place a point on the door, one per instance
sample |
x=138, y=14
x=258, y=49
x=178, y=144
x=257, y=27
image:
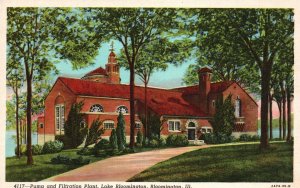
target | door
x=191, y=134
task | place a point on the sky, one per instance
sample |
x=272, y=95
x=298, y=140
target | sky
x=170, y=78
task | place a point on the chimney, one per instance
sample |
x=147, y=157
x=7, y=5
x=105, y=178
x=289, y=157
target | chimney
x=204, y=87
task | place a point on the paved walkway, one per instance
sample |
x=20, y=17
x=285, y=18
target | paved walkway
x=121, y=168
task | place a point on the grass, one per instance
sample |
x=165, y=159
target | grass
x=231, y=163
x=18, y=171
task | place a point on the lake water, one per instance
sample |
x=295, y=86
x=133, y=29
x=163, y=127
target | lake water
x=275, y=132
x=10, y=143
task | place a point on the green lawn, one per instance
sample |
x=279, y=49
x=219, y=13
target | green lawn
x=17, y=170
x=235, y=163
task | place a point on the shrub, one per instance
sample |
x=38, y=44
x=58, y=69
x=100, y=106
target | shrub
x=52, y=147
x=255, y=138
x=212, y=138
x=112, y=152
x=153, y=143
x=177, y=140
x=100, y=153
x=245, y=137
x=65, y=140
x=23, y=149
x=181, y=140
x=170, y=139
x=128, y=150
x=145, y=142
x=161, y=142
x=209, y=138
x=102, y=144
x=37, y=149
x=94, y=133
x=60, y=159
x=79, y=161
x=139, y=138
x=113, y=140
x=86, y=151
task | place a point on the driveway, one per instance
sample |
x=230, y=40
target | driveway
x=121, y=168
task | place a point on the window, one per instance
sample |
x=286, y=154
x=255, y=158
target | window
x=60, y=117
x=96, y=108
x=237, y=107
x=41, y=125
x=206, y=130
x=174, y=125
x=82, y=124
x=122, y=109
x=109, y=124
x=138, y=125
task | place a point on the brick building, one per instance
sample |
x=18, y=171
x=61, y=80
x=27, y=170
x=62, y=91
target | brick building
x=184, y=110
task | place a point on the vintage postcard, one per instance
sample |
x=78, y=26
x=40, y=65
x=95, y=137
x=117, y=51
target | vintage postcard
x=149, y=94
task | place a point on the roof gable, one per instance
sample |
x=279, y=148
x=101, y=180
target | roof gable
x=98, y=71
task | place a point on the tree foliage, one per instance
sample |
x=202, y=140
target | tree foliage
x=39, y=37
x=94, y=132
x=75, y=130
x=223, y=119
x=113, y=140
x=121, y=135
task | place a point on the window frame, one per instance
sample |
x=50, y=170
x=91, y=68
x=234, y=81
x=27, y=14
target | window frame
x=59, y=117
x=102, y=109
x=126, y=111
x=174, y=121
x=108, y=122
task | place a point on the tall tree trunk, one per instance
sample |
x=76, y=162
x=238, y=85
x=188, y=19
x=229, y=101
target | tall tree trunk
x=279, y=121
x=146, y=112
x=283, y=112
x=289, y=133
x=132, y=111
x=28, y=115
x=271, y=115
x=265, y=85
x=17, y=123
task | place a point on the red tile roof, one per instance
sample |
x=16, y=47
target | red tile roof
x=98, y=71
x=161, y=101
x=216, y=87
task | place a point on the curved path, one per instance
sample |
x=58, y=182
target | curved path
x=121, y=168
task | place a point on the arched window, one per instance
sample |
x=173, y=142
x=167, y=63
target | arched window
x=122, y=109
x=237, y=107
x=96, y=108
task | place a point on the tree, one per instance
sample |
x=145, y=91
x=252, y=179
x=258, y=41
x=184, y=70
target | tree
x=15, y=80
x=121, y=136
x=259, y=33
x=133, y=28
x=113, y=140
x=227, y=62
x=75, y=130
x=152, y=57
x=94, y=133
x=39, y=37
x=223, y=119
